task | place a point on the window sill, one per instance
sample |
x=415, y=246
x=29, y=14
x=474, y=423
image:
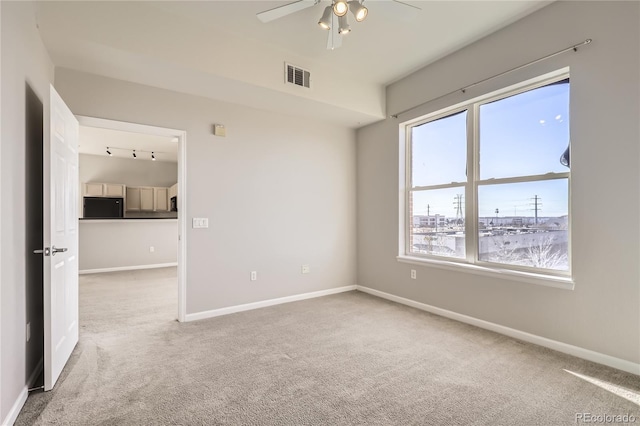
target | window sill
x=565, y=283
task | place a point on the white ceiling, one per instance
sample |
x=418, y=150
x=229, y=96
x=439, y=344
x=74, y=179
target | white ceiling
x=219, y=49
x=393, y=41
x=94, y=141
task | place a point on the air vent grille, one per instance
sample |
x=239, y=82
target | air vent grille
x=298, y=76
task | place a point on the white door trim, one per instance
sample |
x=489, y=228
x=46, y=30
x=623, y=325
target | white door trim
x=182, y=190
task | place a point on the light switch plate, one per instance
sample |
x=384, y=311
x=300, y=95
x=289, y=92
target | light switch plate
x=200, y=222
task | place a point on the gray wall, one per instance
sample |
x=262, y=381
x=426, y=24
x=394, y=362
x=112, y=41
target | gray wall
x=603, y=312
x=279, y=191
x=107, y=244
x=98, y=168
x=24, y=61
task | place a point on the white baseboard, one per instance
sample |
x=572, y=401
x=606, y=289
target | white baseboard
x=265, y=303
x=127, y=268
x=15, y=409
x=589, y=355
x=22, y=398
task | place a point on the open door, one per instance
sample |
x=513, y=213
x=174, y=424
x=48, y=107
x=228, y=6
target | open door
x=61, y=240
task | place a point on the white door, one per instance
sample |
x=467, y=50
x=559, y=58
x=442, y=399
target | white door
x=61, y=236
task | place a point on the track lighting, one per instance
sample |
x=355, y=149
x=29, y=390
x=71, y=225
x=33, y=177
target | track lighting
x=344, y=27
x=325, y=21
x=134, y=154
x=109, y=152
x=358, y=10
x=340, y=7
x=153, y=156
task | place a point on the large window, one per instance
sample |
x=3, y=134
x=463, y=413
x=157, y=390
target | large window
x=487, y=183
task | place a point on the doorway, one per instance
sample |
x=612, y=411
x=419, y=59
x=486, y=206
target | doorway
x=34, y=236
x=148, y=207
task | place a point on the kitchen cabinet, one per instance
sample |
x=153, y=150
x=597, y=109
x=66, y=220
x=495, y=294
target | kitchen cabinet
x=173, y=191
x=161, y=198
x=146, y=199
x=133, y=199
x=95, y=189
x=92, y=190
x=111, y=190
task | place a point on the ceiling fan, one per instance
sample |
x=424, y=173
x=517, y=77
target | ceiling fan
x=334, y=18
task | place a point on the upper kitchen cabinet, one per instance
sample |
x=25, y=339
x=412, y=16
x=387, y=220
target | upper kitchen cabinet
x=161, y=198
x=94, y=189
x=173, y=191
x=133, y=199
x=148, y=199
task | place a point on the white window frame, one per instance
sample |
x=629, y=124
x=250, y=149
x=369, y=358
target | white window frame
x=471, y=262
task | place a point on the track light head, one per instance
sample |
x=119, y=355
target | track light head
x=153, y=156
x=359, y=11
x=109, y=152
x=325, y=20
x=344, y=27
x=340, y=7
x=134, y=154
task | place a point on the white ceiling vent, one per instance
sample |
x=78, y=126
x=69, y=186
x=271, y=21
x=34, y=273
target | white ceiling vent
x=297, y=76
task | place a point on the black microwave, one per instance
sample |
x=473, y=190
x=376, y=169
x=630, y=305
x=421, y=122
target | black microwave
x=103, y=208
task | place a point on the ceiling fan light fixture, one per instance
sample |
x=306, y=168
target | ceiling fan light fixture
x=359, y=11
x=340, y=8
x=343, y=28
x=325, y=20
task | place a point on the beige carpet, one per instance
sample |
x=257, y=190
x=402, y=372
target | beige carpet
x=346, y=359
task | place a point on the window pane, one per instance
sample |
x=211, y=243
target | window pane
x=525, y=134
x=437, y=222
x=525, y=224
x=439, y=151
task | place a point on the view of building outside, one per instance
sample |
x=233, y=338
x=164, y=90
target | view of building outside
x=523, y=189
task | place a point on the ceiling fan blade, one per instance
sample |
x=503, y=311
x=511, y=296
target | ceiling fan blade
x=334, y=40
x=287, y=9
x=407, y=4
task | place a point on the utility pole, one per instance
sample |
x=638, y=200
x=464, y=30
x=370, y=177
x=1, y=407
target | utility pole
x=458, y=205
x=497, y=211
x=428, y=209
x=537, y=205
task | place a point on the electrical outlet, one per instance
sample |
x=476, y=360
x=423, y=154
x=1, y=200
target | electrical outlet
x=306, y=269
x=152, y=249
x=414, y=275
x=28, y=331
x=254, y=275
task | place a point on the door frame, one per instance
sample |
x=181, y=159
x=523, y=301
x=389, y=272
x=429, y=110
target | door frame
x=182, y=189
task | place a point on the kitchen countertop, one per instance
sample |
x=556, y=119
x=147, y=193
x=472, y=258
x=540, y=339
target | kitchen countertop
x=125, y=219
